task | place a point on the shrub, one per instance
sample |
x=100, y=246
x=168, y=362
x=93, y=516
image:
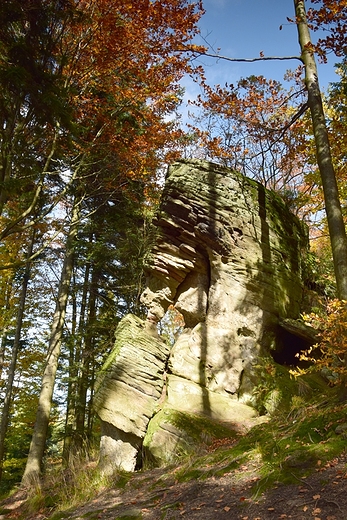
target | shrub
x=329, y=355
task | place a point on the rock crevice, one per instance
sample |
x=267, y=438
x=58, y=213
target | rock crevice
x=228, y=256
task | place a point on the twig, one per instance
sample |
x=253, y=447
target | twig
x=330, y=502
x=302, y=481
x=247, y=60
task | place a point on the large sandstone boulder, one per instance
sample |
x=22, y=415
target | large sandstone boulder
x=227, y=255
x=173, y=433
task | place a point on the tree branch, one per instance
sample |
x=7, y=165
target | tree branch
x=247, y=60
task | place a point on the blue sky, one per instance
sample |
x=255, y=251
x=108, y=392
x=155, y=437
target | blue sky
x=244, y=28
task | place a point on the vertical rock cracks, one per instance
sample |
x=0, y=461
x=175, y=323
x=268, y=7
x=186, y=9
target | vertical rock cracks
x=228, y=257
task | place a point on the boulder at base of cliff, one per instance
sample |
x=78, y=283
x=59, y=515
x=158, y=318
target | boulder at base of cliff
x=172, y=434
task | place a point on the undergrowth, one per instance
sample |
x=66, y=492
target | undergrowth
x=284, y=450
x=301, y=437
x=66, y=489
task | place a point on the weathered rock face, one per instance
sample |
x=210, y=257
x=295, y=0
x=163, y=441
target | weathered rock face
x=126, y=393
x=228, y=257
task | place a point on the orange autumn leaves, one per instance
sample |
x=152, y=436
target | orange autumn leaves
x=125, y=67
x=331, y=16
x=254, y=126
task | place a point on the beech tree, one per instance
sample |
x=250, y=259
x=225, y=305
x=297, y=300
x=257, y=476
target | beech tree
x=38, y=442
x=15, y=348
x=332, y=14
x=254, y=127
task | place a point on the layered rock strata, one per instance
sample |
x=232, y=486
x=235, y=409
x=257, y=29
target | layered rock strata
x=227, y=255
x=126, y=394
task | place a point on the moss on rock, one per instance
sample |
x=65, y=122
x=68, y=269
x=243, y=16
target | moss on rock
x=172, y=434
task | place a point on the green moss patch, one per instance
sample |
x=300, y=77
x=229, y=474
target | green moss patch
x=284, y=450
x=174, y=434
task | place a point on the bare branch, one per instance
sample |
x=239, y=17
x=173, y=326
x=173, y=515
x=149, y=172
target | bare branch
x=247, y=60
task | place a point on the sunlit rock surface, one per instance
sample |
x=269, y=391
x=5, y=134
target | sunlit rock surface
x=228, y=256
x=127, y=390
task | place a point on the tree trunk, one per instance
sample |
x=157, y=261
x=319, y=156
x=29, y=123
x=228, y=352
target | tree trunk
x=83, y=383
x=331, y=196
x=4, y=312
x=74, y=369
x=12, y=368
x=70, y=398
x=90, y=418
x=34, y=462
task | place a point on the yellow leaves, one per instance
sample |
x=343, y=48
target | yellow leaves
x=332, y=345
x=200, y=49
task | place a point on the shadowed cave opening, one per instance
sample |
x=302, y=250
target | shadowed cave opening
x=289, y=348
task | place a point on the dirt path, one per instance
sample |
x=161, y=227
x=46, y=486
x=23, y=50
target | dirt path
x=321, y=496
x=155, y=495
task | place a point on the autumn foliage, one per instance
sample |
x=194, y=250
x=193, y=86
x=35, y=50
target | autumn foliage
x=330, y=16
x=259, y=127
x=125, y=67
x=92, y=78
x=329, y=354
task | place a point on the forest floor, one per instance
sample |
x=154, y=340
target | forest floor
x=289, y=466
x=159, y=494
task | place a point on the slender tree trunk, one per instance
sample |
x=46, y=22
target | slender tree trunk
x=90, y=419
x=12, y=368
x=34, y=462
x=331, y=196
x=83, y=383
x=74, y=369
x=4, y=332
x=3, y=341
x=72, y=377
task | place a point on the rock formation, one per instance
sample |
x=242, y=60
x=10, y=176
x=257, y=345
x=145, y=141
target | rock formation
x=227, y=255
x=127, y=390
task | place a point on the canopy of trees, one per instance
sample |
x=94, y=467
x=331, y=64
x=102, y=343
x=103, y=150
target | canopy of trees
x=90, y=92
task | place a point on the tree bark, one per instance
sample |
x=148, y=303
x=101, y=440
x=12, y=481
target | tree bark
x=72, y=376
x=33, y=467
x=4, y=311
x=331, y=196
x=87, y=353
